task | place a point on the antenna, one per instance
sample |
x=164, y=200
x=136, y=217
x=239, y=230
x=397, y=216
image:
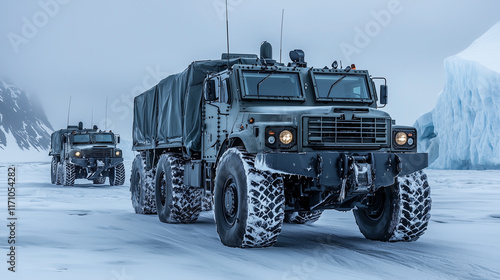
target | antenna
x=106, y=116
x=92, y=118
x=69, y=109
x=281, y=39
x=227, y=35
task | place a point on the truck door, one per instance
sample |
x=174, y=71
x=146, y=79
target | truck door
x=215, y=112
x=64, y=144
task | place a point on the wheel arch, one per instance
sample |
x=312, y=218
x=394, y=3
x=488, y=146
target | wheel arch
x=227, y=144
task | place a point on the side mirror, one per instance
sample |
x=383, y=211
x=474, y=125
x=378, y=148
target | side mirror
x=210, y=91
x=383, y=94
x=117, y=139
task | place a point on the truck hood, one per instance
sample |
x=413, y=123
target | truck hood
x=290, y=113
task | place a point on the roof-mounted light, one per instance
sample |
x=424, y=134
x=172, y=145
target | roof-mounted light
x=298, y=58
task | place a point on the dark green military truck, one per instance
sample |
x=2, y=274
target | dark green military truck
x=79, y=153
x=266, y=143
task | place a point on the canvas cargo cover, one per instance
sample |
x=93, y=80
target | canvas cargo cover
x=55, y=143
x=170, y=112
x=144, y=125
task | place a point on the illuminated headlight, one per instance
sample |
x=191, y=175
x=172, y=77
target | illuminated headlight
x=271, y=140
x=401, y=138
x=286, y=137
x=118, y=153
x=78, y=154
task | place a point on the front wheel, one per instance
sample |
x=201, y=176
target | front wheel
x=142, y=195
x=68, y=173
x=400, y=212
x=248, y=203
x=117, y=175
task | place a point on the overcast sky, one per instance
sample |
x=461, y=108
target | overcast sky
x=95, y=49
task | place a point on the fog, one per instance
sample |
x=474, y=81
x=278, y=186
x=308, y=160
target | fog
x=98, y=50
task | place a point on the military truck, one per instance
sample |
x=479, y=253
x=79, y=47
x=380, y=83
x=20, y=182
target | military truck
x=79, y=153
x=269, y=143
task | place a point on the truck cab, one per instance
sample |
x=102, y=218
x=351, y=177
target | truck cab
x=265, y=143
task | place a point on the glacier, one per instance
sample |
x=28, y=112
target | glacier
x=463, y=130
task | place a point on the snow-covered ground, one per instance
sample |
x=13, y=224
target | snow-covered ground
x=88, y=232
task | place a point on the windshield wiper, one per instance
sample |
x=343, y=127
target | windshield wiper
x=334, y=84
x=261, y=81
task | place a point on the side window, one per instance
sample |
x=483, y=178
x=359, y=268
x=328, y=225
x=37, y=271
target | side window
x=224, y=92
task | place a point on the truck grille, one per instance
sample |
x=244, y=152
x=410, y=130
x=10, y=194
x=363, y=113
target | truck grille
x=335, y=131
x=99, y=153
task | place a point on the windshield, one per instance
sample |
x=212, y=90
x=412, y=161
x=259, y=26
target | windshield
x=334, y=86
x=81, y=139
x=272, y=84
x=104, y=138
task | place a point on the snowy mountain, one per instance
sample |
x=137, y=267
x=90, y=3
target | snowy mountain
x=24, y=128
x=462, y=131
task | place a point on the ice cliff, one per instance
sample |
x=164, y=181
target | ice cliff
x=463, y=130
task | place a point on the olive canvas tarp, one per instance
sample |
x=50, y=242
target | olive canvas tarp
x=170, y=112
x=56, y=137
x=55, y=143
x=144, y=125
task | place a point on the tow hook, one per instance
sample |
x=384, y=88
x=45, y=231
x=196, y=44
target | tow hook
x=345, y=175
x=319, y=166
x=399, y=164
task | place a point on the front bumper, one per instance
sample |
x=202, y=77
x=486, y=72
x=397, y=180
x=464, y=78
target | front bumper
x=96, y=162
x=331, y=169
x=95, y=166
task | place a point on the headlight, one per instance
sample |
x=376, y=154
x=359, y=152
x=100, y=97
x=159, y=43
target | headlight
x=118, y=153
x=286, y=137
x=401, y=138
x=78, y=154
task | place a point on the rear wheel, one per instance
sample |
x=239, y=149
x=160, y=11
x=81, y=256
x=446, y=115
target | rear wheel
x=248, y=203
x=117, y=175
x=176, y=202
x=53, y=170
x=207, y=201
x=143, y=199
x=400, y=212
x=59, y=173
x=306, y=217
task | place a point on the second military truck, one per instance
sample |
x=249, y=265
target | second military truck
x=79, y=153
x=269, y=143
